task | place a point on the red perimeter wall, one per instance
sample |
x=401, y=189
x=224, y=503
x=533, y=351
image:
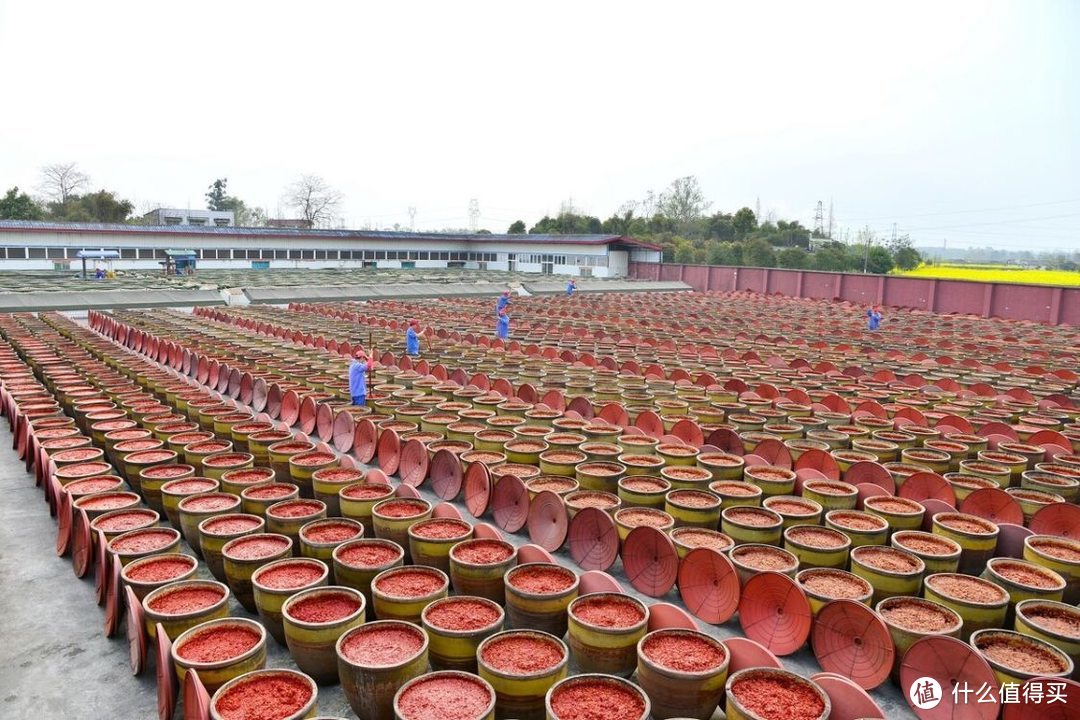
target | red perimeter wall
x=1038, y=303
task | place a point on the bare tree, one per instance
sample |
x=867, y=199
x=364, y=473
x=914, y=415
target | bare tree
x=62, y=180
x=648, y=205
x=313, y=200
x=683, y=200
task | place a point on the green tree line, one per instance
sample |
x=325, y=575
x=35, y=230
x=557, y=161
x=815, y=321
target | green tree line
x=679, y=221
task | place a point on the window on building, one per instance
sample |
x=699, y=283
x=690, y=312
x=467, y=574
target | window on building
x=128, y=253
x=196, y=221
x=221, y=222
x=320, y=254
x=294, y=254
x=55, y=253
x=37, y=253
x=160, y=254
x=281, y=254
x=173, y=220
x=308, y=254
x=380, y=254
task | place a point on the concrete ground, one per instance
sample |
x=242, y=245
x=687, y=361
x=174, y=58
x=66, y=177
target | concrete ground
x=55, y=661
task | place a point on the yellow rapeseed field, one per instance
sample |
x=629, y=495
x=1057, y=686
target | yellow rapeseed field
x=996, y=273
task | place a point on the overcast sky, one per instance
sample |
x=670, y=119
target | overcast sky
x=956, y=120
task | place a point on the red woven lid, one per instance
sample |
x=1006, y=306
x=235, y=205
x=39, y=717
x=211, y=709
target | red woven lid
x=389, y=451
x=851, y=640
x=926, y=486
x=950, y=663
x=774, y=611
x=167, y=685
x=413, y=468
x=868, y=471
x=343, y=431
x=848, y=700
x=289, y=412
x=594, y=539
x=446, y=474
x=650, y=561
x=993, y=504
x=819, y=460
x=477, y=488
x=510, y=503
x=136, y=632
x=548, y=522
x=196, y=699
x=774, y=452
x=365, y=440
x=650, y=423
x=665, y=615
x=1061, y=519
x=708, y=585
x=747, y=653
x=595, y=581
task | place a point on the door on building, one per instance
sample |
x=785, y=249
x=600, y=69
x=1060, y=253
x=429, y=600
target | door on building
x=547, y=268
x=511, y=262
x=618, y=263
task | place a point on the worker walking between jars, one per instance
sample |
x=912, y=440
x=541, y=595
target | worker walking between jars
x=873, y=319
x=358, y=374
x=412, y=339
x=502, y=303
x=571, y=287
x=502, y=327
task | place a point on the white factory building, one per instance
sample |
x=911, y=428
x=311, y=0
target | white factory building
x=26, y=245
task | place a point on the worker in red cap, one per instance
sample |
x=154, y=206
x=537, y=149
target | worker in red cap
x=503, y=302
x=358, y=373
x=502, y=327
x=412, y=339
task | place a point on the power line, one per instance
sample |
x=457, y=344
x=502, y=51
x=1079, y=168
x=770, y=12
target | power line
x=997, y=222
x=962, y=212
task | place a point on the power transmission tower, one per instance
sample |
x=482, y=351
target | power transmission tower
x=412, y=219
x=474, y=215
x=893, y=241
x=819, y=220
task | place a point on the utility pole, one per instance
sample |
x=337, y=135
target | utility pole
x=412, y=219
x=893, y=241
x=866, y=256
x=830, y=219
x=757, y=209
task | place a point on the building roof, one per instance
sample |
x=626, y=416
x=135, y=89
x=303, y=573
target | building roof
x=249, y=232
x=98, y=254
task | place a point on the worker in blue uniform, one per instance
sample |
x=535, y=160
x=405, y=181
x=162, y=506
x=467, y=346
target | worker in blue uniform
x=873, y=319
x=502, y=327
x=412, y=339
x=571, y=287
x=503, y=302
x=358, y=373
